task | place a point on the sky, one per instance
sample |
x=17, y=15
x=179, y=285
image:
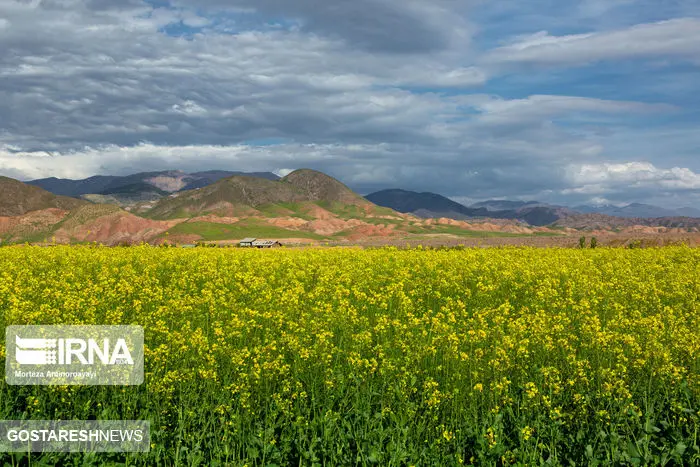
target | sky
x=561, y=101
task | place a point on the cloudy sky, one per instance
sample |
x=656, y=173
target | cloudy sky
x=565, y=101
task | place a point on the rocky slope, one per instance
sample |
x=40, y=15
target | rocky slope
x=17, y=198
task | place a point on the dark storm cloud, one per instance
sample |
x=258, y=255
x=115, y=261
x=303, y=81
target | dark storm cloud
x=393, y=26
x=378, y=93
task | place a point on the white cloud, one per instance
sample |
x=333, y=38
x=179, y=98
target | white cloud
x=282, y=172
x=601, y=201
x=189, y=107
x=498, y=109
x=672, y=38
x=611, y=177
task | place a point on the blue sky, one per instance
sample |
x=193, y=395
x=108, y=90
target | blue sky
x=574, y=101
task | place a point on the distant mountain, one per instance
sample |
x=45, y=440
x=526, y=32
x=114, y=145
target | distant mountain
x=597, y=221
x=17, y=198
x=202, y=179
x=433, y=205
x=130, y=189
x=107, y=184
x=536, y=215
x=504, y=205
x=424, y=204
x=688, y=212
x=168, y=181
x=637, y=210
x=74, y=188
x=532, y=212
x=139, y=192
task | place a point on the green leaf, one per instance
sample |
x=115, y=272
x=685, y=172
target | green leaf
x=680, y=448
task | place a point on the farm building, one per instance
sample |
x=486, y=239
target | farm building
x=247, y=242
x=255, y=243
x=266, y=244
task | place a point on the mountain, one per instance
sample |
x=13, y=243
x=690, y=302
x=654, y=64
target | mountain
x=424, y=204
x=243, y=195
x=98, y=184
x=532, y=212
x=641, y=210
x=130, y=189
x=305, y=204
x=236, y=195
x=504, y=205
x=688, y=212
x=202, y=179
x=535, y=215
x=597, y=221
x=31, y=214
x=17, y=198
x=430, y=205
x=637, y=210
x=318, y=186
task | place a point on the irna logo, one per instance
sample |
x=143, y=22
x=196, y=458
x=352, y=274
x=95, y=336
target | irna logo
x=79, y=355
x=68, y=351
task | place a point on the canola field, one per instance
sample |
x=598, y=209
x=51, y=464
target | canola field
x=384, y=357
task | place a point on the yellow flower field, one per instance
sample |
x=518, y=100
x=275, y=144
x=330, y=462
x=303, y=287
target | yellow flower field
x=378, y=357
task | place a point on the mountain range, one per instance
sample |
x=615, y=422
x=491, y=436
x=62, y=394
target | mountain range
x=143, y=186
x=151, y=186
x=173, y=206
x=429, y=205
x=305, y=205
x=638, y=210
